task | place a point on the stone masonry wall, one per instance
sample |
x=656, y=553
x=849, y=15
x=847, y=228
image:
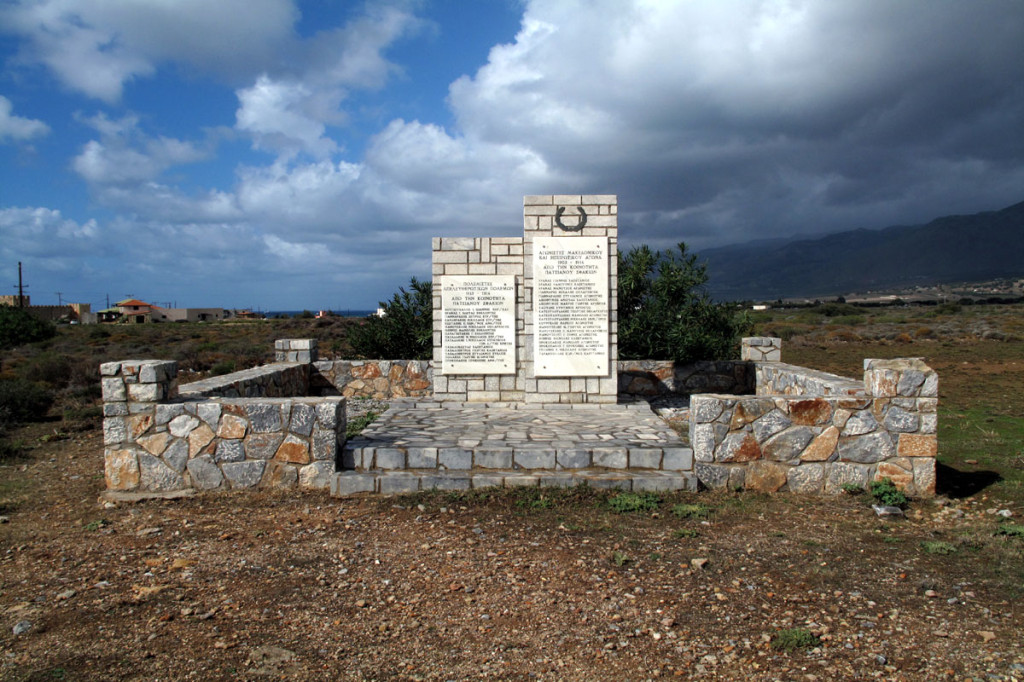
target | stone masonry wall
x=156, y=442
x=650, y=378
x=822, y=440
x=278, y=380
x=378, y=379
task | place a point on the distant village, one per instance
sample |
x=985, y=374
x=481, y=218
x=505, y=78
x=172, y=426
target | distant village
x=128, y=311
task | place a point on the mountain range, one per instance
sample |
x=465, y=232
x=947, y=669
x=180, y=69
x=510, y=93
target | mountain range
x=957, y=248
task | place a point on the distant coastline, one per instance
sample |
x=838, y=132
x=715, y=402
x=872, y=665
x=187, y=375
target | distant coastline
x=341, y=313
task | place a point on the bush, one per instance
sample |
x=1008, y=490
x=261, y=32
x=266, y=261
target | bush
x=406, y=330
x=18, y=327
x=664, y=313
x=22, y=401
x=885, y=492
x=793, y=639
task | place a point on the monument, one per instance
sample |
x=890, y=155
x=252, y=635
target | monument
x=530, y=319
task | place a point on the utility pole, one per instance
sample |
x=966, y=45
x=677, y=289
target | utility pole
x=21, y=289
x=60, y=301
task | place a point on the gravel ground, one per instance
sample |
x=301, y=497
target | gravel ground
x=513, y=585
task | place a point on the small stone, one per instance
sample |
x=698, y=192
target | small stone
x=361, y=603
x=699, y=563
x=1005, y=513
x=65, y=595
x=21, y=627
x=5, y=519
x=986, y=635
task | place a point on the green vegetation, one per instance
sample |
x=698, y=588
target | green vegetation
x=356, y=425
x=406, y=330
x=665, y=314
x=691, y=511
x=938, y=547
x=793, y=639
x=885, y=492
x=1013, y=530
x=851, y=489
x=18, y=327
x=620, y=559
x=634, y=502
x=22, y=400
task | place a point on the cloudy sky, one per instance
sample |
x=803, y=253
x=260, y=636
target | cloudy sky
x=279, y=154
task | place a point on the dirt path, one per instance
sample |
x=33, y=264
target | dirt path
x=261, y=585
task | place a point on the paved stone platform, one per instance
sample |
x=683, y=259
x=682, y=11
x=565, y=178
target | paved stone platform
x=419, y=445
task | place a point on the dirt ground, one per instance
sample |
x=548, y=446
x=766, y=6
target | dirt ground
x=505, y=586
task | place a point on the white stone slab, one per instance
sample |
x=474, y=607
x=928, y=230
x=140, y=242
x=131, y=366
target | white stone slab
x=570, y=306
x=478, y=314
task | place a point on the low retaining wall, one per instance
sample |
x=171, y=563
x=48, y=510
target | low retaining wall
x=810, y=432
x=649, y=378
x=158, y=442
x=378, y=379
x=279, y=380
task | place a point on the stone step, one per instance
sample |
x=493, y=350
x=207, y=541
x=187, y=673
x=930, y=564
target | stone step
x=392, y=482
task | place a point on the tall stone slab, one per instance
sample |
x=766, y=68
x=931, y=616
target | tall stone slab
x=565, y=276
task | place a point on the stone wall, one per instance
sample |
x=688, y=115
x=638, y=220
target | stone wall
x=279, y=380
x=378, y=379
x=158, y=442
x=830, y=436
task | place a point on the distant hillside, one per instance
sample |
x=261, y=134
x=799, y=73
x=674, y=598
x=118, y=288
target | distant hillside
x=976, y=247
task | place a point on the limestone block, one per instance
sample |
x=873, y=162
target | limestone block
x=262, y=445
x=445, y=482
x=397, y=483
x=199, y=438
x=316, y=475
x=812, y=412
x=706, y=408
x=205, y=474
x=843, y=473
x=929, y=423
x=738, y=446
x=182, y=425
x=245, y=474
x=109, y=369
x=113, y=389
x=493, y=458
x=806, y=479
x=229, y=451
x=176, y=455
x=677, y=459
x=899, y=420
x=347, y=483
x=115, y=430
x=303, y=417
x=209, y=413
x=534, y=459
x=155, y=444
x=611, y=458
x=899, y=470
x=770, y=424
x=232, y=426
x=138, y=424
x=866, y=449
x=788, y=445
x=145, y=393
x=924, y=475
x=264, y=417
x=750, y=410
x=645, y=458
x=157, y=476
x=713, y=476
x=917, y=445
x=704, y=438
x=279, y=475
x=294, y=450
x=115, y=409
x=121, y=469
x=159, y=371
x=764, y=476
x=910, y=382
x=860, y=423
x=822, y=447
x=165, y=412
x=572, y=458
x=325, y=445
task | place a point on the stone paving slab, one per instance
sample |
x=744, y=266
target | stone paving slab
x=513, y=444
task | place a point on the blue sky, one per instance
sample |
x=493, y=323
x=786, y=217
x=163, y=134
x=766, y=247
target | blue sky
x=287, y=155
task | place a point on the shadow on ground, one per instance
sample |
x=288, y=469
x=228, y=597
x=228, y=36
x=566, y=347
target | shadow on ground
x=958, y=484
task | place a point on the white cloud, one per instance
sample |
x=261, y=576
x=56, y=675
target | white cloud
x=95, y=47
x=18, y=128
x=287, y=117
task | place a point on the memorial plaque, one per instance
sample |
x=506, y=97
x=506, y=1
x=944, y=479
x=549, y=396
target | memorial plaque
x=478, y=314
x=570, y=301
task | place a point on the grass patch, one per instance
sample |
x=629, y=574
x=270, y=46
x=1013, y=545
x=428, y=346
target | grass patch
x=794, y=639
x=355, y=426
x=620, y=559
x=885, y=492
x=680, y=533
x=691, y=511
x=1013, y=530
x=624, y=503
x=939, y=547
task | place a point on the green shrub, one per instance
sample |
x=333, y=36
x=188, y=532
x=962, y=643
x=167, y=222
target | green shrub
x=49, y=368
x=665, y=314
x=851, y=489
x=22, y=401
x=793, y=639
x=938, y=547
x=222, y=367
x=356, y=425
x=634, y=502
x=18, y=327
x=405, y=332
x=885, y=492
x=1013, y=530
